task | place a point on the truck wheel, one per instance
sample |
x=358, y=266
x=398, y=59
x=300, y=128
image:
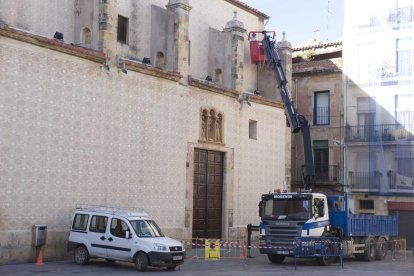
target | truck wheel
x=81, y=255
x=328, y=252
x=382, y=249
x=370, y=249
x=275, y=258
x=141, y=262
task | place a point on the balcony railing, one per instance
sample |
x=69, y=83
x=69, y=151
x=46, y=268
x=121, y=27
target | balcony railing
x=378, y=133
x=399, y=182
x=369, y=181
x=325, y=174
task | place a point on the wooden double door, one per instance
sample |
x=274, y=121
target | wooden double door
x=207, y=194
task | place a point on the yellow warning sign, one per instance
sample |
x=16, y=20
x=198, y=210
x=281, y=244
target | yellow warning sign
x=212, y=250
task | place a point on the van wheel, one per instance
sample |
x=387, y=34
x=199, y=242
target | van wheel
x=170, y=268
x=141, y=262
x=81, y=255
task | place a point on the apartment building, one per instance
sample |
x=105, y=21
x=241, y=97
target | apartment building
x=317, y=93
x=379, y=108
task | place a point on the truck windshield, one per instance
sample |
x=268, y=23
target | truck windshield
x=292, y=208
x=146, y=228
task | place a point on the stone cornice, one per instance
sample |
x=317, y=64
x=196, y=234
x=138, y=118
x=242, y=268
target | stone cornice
x=212, y=87
x=52, y=44
x=81, y=52
x=249, y=9
x=337, y=44
x=152, y=71
x=179, y=5
x=316, y=72
x=235, y=29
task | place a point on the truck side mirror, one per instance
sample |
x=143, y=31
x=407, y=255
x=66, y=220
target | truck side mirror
x=315, y=211
x=321, y=211
x=319, y=208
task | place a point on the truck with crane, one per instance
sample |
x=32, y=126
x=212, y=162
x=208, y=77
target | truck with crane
x=291, y=218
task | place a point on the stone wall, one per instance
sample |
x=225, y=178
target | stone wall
x=73, y=133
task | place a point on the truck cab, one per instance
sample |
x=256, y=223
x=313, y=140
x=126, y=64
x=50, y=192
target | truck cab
x=286, y=216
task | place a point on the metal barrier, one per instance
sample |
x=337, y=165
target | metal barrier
x=303, y=247
x=200, y=248
x=323, y=247
x=398, y=249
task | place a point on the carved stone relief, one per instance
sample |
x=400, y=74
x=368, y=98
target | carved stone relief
x=211, y=126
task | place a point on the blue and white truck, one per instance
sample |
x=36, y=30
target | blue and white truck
x=289, y=217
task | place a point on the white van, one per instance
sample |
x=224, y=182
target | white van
x=116, y=235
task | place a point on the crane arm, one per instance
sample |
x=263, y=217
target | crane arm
x=296, y=121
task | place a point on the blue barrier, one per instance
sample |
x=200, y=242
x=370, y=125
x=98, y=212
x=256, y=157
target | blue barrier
x=312, y=247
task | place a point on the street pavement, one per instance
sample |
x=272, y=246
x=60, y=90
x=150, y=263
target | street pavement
x=259, y=265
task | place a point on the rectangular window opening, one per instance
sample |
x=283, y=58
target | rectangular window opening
x=321, y=108
x=321, y=158
x=253, y=129
x=122, y=29
x=366, y=204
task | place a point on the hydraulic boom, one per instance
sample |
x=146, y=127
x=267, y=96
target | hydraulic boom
x=296, y=121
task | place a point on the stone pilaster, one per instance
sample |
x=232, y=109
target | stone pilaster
x=107, y=28
x=177, y=37
x=237, y=30
x=284, y=49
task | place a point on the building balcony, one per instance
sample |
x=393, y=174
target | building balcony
x=370, y=183
x=365, y=181
x=326, y=176
x=399, y=183
x=326, y=173
x=387, y=133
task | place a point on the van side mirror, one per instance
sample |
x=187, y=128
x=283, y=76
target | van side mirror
x=128, y=234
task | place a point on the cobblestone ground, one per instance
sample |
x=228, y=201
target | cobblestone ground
x=195, y=264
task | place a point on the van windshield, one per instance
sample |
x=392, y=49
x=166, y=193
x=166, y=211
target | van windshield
x=146, y=228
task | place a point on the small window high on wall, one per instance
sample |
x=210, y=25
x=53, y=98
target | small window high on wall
x=86, y=36
x=217, y=75
x=253, y=129
x=122, y=29
x=160, y=60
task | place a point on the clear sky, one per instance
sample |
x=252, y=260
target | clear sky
x=300, y=18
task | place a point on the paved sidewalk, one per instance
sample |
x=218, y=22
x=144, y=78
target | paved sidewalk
x=232, y=267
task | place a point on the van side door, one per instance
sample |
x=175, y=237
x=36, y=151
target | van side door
x=120, y=240
x=97, y=236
